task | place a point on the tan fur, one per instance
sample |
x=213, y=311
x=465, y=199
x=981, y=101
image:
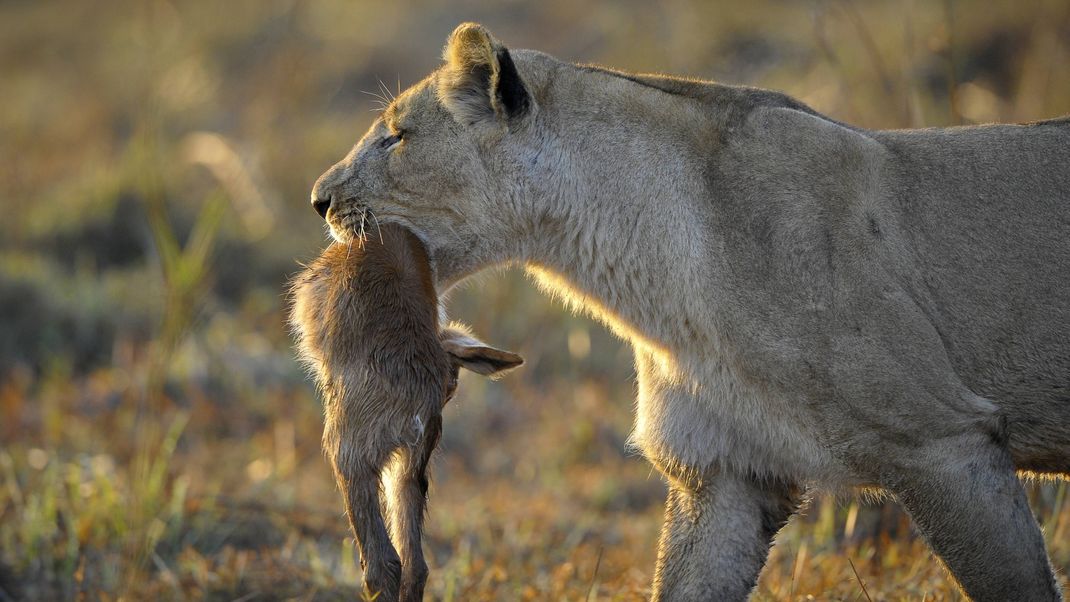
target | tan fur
x=366, y=316
x=811, y=304
x=469, y=50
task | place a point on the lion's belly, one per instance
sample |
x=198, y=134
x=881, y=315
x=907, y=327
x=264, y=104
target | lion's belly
x=713, y=422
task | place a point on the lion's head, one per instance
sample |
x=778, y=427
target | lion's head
x=449, y=158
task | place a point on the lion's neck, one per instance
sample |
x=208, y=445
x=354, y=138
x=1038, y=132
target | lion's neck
x=619, y=233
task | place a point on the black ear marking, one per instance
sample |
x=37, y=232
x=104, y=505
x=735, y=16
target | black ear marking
x=514, y=97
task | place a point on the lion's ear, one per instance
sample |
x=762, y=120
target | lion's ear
x=480, y=80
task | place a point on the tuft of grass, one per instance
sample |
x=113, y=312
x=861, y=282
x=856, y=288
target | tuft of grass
x=69, y=510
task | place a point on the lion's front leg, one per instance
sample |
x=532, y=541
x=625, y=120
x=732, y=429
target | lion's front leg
x=716, y=536
x=719, y=518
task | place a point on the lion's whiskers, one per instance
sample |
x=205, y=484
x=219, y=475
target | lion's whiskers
x=382, y=102
x=386, y=91
x=363, y=233
x=377, y=226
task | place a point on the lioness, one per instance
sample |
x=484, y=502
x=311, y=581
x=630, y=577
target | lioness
x=811, y=305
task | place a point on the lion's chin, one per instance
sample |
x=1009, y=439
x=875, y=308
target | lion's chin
x=341, y=236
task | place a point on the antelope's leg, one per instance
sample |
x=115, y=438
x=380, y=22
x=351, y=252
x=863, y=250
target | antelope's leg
x=359, y=482
x=407, y=500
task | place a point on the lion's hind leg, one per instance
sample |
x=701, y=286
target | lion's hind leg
x=964, y=496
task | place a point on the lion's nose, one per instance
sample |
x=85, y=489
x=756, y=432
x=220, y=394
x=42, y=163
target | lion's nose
x=321, y=206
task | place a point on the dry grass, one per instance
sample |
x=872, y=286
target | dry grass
x=159, y=441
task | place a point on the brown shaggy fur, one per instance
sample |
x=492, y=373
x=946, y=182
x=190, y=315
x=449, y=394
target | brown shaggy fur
x=366, y=318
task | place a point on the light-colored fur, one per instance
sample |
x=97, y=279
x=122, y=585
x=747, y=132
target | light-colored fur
x=811, y=304
x=366, y=317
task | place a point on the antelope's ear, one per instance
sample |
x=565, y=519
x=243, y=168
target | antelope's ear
x=480, y=80
x=473, y=354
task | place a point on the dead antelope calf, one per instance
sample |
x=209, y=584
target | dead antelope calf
x=366, y=318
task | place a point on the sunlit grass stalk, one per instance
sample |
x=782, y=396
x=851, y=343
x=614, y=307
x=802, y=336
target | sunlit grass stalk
x=184, y=268
x=155, y=504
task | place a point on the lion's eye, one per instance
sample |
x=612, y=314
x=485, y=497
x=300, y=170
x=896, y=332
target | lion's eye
x=392, y=141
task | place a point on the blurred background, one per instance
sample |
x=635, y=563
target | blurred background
x=157, y=439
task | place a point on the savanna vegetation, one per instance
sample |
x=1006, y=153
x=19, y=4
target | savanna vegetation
x=157, y=439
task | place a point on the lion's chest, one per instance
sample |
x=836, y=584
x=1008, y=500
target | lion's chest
x=706, y=418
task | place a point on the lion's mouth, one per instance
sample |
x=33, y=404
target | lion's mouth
x=352, y=222
x=356, y=222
